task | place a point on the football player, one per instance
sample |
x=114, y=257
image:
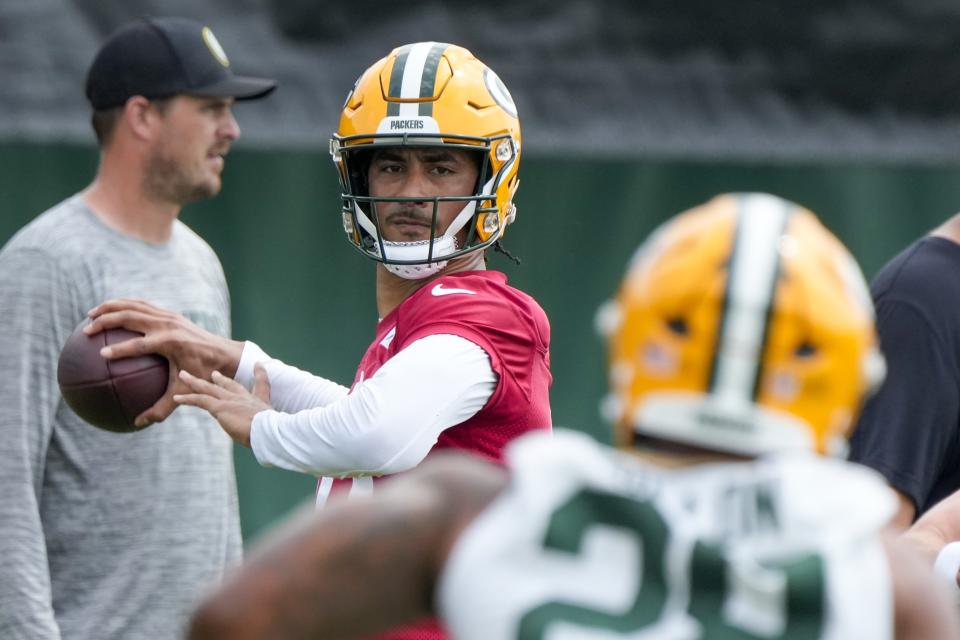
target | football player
x=427, y=152
x=741, y=345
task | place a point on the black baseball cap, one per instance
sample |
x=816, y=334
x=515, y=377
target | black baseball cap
x=164, y=57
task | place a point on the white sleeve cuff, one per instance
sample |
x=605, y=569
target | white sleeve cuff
x=251, y=355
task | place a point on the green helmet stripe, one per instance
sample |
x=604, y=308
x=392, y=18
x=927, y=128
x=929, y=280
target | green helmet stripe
x=396, y=80
x=428, y=80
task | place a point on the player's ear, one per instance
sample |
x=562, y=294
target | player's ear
x=138, y=117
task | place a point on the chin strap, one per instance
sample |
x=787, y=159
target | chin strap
x=415, y=271
x=405, y=251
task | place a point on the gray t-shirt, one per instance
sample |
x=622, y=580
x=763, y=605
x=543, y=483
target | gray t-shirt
x=102, y=535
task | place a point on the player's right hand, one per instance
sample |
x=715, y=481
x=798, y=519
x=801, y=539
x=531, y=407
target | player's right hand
x=186, y=345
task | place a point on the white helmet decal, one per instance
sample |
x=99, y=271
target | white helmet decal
x=499, y=92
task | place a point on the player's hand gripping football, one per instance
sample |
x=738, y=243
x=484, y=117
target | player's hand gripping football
x=183, y=343
x=228, y=401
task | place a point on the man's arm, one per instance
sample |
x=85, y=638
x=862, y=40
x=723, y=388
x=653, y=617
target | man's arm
x=906, y=512
x=934, y=530
x=922, y=608
x=357, y=567
x=291, y=389
x=386, y=425
x=199, y=352
x=36, y=311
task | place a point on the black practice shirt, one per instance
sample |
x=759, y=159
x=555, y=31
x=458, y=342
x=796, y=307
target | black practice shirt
x=909, y=430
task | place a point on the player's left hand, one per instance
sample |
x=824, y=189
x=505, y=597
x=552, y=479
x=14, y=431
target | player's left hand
x=228, y=401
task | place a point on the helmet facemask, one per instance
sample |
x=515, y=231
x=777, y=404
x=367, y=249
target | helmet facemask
x=475, y=226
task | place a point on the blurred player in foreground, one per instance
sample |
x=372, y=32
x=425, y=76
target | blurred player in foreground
x=741, y=343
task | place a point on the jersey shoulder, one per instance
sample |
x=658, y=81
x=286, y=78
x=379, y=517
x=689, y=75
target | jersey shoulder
x=841, y=499
x=473, y=303
x=821, y=500
x=64, y=232
x=563, y=459
x=802, y=501
x=473, y=289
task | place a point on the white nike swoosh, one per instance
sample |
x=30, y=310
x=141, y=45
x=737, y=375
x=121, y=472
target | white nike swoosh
x=439, y=290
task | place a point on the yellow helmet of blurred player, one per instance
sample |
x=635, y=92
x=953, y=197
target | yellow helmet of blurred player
x=429, y=94
x=742, y=326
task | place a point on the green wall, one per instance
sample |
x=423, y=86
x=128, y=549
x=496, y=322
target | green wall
x=307, y=297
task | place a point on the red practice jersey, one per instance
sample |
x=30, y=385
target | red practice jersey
x=512, y=329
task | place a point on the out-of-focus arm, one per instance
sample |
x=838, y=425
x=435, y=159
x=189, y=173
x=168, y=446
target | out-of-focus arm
x=357, y=567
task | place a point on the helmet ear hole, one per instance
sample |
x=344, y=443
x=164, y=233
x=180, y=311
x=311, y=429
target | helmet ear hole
x=482, y=162
x=358, y=168
x=678, y=326
x=805, y=350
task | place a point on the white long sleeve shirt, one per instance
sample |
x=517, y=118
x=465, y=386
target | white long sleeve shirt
x=386, y=425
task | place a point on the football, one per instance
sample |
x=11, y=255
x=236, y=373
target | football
x=109, y=394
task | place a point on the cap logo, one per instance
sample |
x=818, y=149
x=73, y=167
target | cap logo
x=214, y=46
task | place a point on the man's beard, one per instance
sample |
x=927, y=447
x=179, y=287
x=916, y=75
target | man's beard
x=169, y=180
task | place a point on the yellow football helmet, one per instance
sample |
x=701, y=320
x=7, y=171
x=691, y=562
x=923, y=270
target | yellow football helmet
x=429, y=94
x=742, y=326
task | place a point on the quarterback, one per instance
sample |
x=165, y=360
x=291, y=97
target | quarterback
x=427, y=153
x=741, y=344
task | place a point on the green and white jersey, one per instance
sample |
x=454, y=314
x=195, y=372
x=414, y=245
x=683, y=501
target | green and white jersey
x=589, y=543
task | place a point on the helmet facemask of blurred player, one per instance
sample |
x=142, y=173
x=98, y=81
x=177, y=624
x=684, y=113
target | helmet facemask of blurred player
x=744, y=327
x=428, y=96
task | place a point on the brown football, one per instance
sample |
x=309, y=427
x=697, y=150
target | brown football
x=109, y=394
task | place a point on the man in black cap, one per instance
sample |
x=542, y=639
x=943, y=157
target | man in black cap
x=107, y=536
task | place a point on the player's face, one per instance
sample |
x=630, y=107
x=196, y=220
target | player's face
x=412, y=173
x=193, y=136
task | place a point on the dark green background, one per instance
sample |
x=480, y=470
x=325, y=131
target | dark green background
x=308, y=298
